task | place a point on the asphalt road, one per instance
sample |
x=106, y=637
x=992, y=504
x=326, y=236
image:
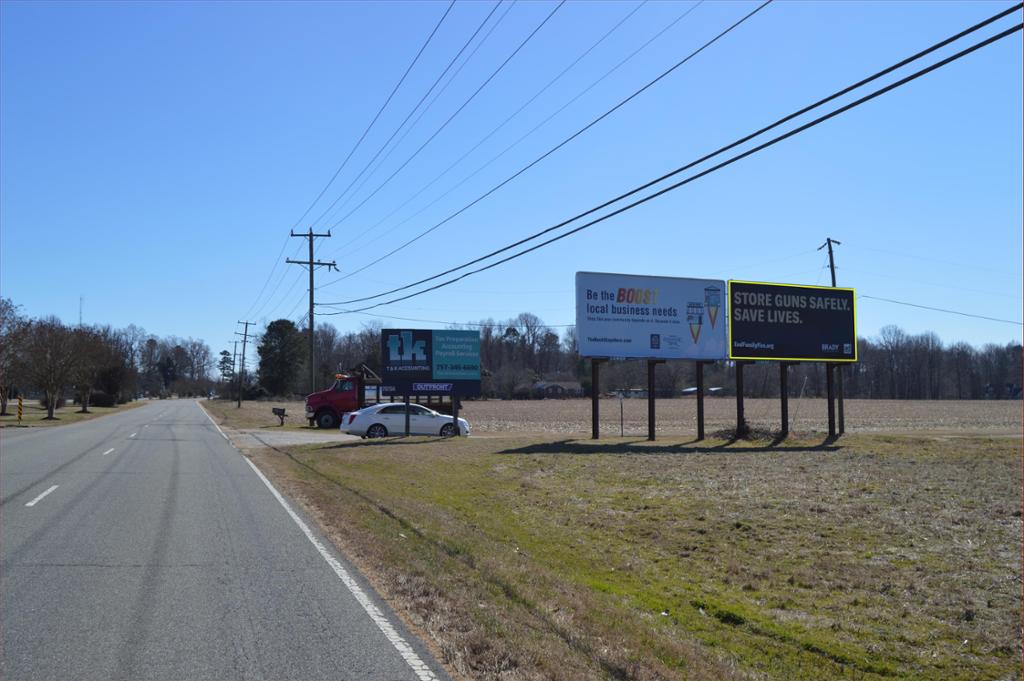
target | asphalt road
x=144, y=546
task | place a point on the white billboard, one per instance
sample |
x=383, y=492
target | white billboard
x=633, y=316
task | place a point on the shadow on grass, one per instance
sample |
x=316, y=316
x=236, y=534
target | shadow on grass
x=390, y=441
x=690, y=447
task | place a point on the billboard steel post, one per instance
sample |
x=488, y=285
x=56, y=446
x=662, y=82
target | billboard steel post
x=651, y=363
x=741, y=421
x=830, y=387
x=784, y=397
x=455, y=413
x=407, y=416
x=700, y=400
x=595, y=392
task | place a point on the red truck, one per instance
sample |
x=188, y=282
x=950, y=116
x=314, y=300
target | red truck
x=325, y=407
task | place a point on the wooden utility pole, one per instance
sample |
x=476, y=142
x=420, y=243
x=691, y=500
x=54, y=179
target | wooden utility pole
x=241, y=366
x=312, y=265
x=234, y=361
x=829, y=367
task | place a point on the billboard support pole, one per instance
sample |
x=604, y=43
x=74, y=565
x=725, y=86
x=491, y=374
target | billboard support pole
x=595, y=392
x=407, y=416
x=700, y=400
x=651, y=363
x=700, y=396
x=784, y=397
x=741, y=421
x=455, y=412
x=830, y=386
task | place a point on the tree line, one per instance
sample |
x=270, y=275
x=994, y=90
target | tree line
x=96, y=365
x=517, y=352
x=101, y=365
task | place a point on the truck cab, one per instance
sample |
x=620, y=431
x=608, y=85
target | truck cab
x=326, y=407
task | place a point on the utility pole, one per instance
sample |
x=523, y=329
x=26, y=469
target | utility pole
x=241, y=366
x=312, y=265
x=839, y=374
x=234, y=361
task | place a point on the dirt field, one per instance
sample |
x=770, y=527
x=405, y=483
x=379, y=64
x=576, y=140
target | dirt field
x=554, y=558
x=679, y=416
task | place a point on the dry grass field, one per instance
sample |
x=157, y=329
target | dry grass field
x=679, y=416
x=546, y=556
x=35, y=415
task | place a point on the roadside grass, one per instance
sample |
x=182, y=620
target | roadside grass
x=253, y=414
x=529, y=558
x=34, y=416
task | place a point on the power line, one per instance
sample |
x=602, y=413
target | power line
x=456, y=113
x=939, y=309
x=377, y=115
x=558, y=146
x=419, y=103
x=383, y=106
x=427, y=108
x=712, y=169
x=450, y=323
x=713, y=154
x=534, y=129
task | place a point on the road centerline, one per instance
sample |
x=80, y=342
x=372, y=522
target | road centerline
x=40, y=497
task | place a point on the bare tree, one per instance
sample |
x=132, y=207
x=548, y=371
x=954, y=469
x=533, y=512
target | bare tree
x=49, y=358
x=12, y=328
x=91, y=355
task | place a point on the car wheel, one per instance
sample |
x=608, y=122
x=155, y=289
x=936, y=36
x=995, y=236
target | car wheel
x=326, y=419
x=376, y=430
x=448, y=430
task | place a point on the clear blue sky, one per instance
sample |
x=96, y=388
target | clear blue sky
x=155, y=156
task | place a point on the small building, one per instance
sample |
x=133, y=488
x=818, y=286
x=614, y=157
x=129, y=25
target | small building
x=548, y=390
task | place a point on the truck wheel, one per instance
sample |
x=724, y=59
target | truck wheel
x=447, y=430
x=376, y=430
x=326, y=420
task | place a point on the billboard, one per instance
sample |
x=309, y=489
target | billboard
x=426, y=362
x=640, y=317
x=792, y=322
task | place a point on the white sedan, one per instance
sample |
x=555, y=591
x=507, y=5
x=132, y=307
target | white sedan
x=381, y=420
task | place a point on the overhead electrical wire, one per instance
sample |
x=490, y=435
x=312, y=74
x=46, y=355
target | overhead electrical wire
x=475, y=324
x=452, y=117
x=534, y=129
x=702, y=159
x=561, y=144
x=377, y=115
x=277, y=260
x=939, y=309
x=714, y=168
x=420, y=102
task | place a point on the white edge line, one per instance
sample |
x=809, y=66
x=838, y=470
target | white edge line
x=203, y=409
x=108, y=451
x=40, y=497
x=423, y=672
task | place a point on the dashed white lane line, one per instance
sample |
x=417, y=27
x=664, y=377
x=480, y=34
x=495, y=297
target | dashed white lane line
x=40, y=497
x=423, y=672
x=132, y=435
x=108, y=451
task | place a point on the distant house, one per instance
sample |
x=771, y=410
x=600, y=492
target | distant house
x=557, y=389
x=548, y=390
x=637, y=393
